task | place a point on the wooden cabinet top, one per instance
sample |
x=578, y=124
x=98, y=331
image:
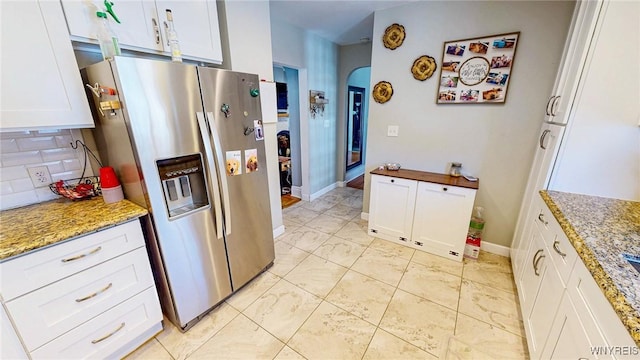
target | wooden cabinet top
x=429, y=177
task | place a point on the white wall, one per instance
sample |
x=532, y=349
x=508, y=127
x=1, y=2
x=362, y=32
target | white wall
x=600, y=153
x=493, y=142
x=246, y=40
x=318, y=59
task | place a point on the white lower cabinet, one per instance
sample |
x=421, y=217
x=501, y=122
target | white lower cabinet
x=573, y=336
x=565, y=314
x=91, y=297
x=427, y=216
x=10, y=345
x=539, y=308
x=590, y=323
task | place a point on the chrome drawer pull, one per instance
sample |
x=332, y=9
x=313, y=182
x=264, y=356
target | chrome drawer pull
x=108, y=335
x=541, y=218
x=95, y=293
x=535, y=264
x=542, y=137
x=535, y=260
x=557, y=249
x=82, y=255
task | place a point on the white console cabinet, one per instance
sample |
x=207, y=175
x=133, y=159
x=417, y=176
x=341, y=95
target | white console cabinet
x=91, y=297
x=426, y=211
x=392, y=205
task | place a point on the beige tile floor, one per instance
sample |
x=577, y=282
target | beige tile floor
x=336, y=293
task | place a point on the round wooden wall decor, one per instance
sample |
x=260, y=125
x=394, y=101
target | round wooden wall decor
x=393, y=36
x=423, y=67
x=382, y=92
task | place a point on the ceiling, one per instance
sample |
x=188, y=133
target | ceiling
x=343, y=22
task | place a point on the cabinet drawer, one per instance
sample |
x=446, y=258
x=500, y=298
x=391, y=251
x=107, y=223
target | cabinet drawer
x=107, y=333
x=46, y=313
x=544, y=219
x=45, y=266
x=562, y=254
x=447, y=189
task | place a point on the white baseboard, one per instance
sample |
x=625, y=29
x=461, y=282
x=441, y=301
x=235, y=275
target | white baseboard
x=278, y=231
x=317, y=194
x=495, y=249
x=296, y=191
x=364, y=216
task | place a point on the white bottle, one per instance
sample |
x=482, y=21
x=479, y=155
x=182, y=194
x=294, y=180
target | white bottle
x=172, y=38
x=107, y=40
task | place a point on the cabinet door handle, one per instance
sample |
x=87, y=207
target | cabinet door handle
x=557, y=248
x=542, y=137
x=546, y=110
x=166, y=32
x=554, y=106
x=392, y=180
x=95, y=293
x=541, y=218
x=108, y=335
x=82, y=255
x=445, y=189
x=536, y=261
x=156, y=29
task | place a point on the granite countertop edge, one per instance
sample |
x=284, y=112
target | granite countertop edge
x=627, y=314
x=42, y=225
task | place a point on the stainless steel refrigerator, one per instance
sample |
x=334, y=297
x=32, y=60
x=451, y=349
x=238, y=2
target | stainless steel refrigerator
x=186, y=142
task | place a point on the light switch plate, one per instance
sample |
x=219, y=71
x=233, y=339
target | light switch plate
x=392, y=130
x=40, y=176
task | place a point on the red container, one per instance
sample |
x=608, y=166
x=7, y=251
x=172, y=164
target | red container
x=108, y=178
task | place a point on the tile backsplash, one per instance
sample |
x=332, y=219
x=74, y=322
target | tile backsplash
x=21, y=150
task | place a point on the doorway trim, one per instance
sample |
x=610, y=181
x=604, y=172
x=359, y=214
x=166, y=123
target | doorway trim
x=350, y=122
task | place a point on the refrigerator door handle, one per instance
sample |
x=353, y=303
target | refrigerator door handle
x=223, y=177
x=206, y=140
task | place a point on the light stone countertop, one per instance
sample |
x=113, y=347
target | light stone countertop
x=36, y=226
x=601, y=230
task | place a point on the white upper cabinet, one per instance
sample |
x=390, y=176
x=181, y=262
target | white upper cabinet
x=573, y=59
x=196, y=23
x=40, y=83
x=143, y=28
x=139, y=28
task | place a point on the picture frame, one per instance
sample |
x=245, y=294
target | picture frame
x=477, y=70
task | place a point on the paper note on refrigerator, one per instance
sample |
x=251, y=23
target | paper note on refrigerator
x=233, y=163
x=258, y=130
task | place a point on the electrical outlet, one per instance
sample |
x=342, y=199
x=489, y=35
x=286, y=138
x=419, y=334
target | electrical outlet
x=40, y=176
x=392, y=130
